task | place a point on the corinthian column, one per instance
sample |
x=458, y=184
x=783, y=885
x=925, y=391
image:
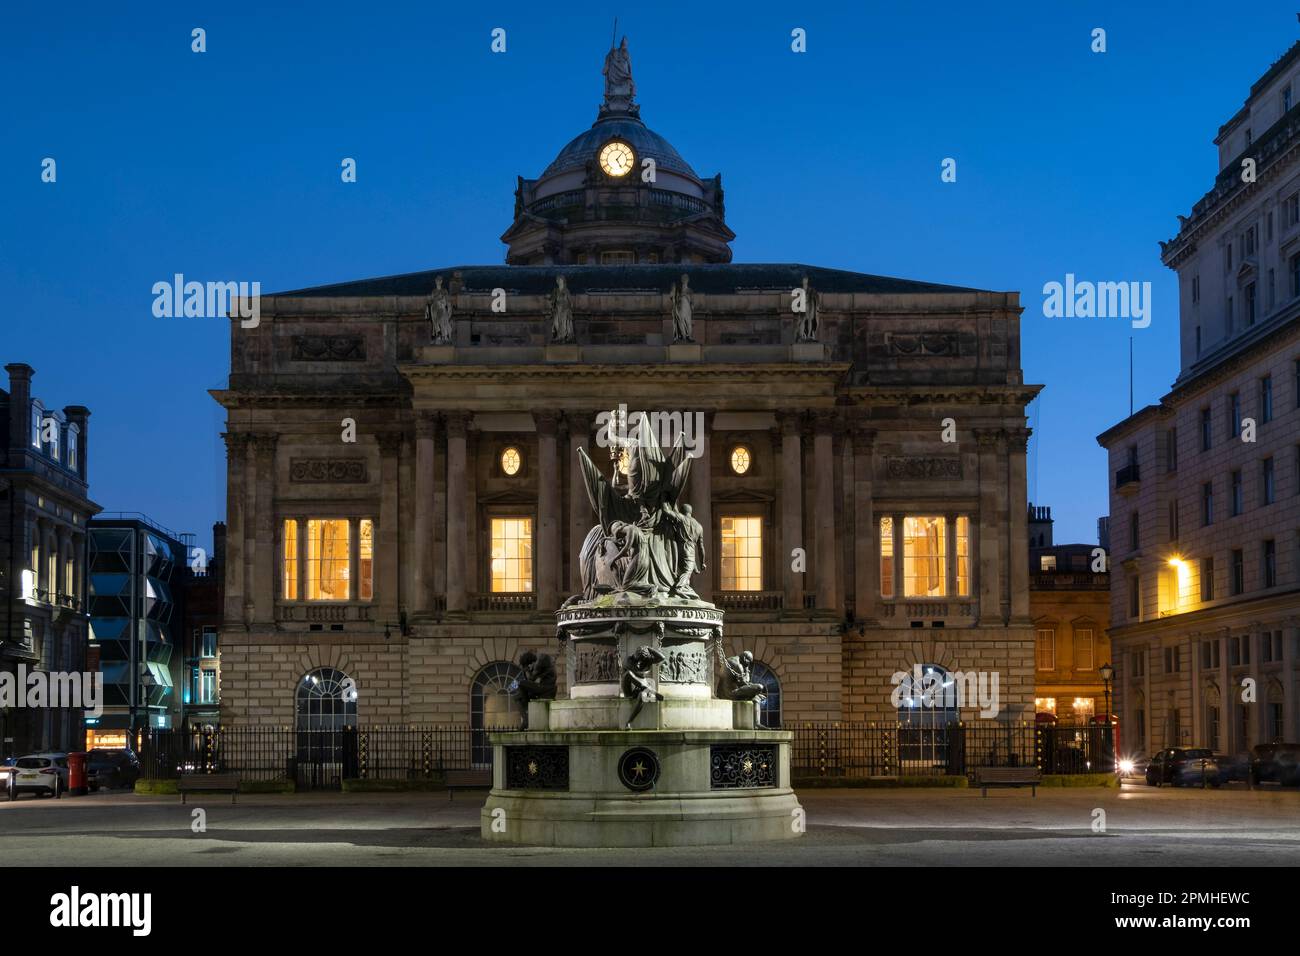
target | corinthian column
x=547, y=558
x=700, y=492
x=264, y=563
x=990, y=533
x=580, y=517
x=866, y=547
x=791, y=508
x=236, y=474
x=456, y=503
x=824, y=476
x=1018, y=503
x=426, y=443
x=387, y=536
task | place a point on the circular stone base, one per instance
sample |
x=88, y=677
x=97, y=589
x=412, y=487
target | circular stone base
x=641, y=788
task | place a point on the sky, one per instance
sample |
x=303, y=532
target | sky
x=225, y=165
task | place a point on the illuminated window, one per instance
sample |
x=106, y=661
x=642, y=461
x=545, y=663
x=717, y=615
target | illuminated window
x=925, y=557
x=36, y=427
x=887, y=557
x=327, y=559
x=511, y=461
x=1047, y=562
x=1083, y=649
x=963, y=556
x=740, y=459
x=512, y=555
x=617, y=258
x=366, y=559
x=742, y=553
x=1083, y=707
x=1045, y=705
x=73, y=432
x=1046, y=649
x=291, y=560
x=52, y=446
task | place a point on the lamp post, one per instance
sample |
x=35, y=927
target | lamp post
x=1107, y=672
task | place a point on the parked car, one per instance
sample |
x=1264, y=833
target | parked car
x=1134, y=765
x=1183, y=766
x=1233, y=767
x=6, y=768
x=1277, y=762
x=111, y=768
x=40, y=773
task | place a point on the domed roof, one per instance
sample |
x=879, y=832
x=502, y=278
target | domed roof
x=644, y=141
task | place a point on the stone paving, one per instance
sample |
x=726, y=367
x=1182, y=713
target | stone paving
x=917, y=827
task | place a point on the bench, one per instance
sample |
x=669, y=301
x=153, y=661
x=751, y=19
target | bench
x=208, y=783
x=986, y=777
x=467, y=780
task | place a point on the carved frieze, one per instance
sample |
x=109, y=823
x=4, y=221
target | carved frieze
x=344, y=471
x=922, y=343
x=329, y=348
x=910, y=467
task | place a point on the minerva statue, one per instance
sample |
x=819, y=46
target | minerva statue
x=619, y=88
x=645, y=545
x=437, y=312
x=683, y=310
x=806, y=321
x=561, y=312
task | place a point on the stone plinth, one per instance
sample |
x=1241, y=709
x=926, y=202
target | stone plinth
x=685, y=352
x=437, y=354
x=810, y=352
x=692, y=788
x=568, y=352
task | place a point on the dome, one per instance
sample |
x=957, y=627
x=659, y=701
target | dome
x=645, y=142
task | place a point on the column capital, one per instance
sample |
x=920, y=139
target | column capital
x=264, y=443
x=1018, y=438
x=790, y=422
x=426, y=424
x=236, y=443
x=547, y=421
x=987, y=437
x=457, y=423
x=390, y=443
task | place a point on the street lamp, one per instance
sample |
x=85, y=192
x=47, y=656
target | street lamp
x=1107, y=672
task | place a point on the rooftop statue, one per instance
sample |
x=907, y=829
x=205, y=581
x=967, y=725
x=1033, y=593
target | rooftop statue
x=646, y=542
x=619, y=88
x=437, y=312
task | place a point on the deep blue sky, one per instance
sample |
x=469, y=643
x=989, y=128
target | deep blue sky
x=225, y=165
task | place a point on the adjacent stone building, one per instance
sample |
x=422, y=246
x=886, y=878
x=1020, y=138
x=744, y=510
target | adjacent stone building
x=1070, y=604
x=44, y=507
x=405, y=506
x=1205, y=499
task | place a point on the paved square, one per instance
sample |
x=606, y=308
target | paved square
x=1144, y=827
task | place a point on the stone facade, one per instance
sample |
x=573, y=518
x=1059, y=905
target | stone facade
x=907, y=400
x=1205, y=500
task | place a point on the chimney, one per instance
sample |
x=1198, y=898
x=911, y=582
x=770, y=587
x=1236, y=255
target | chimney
x=20, y=411
x=219, y=544
x=79, y=415
x=1040, y=527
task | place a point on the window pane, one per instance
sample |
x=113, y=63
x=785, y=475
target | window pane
x=327, y=559
x=1047, y=650
x=291, y=560
x=963, y=556
x=887, y=557
x=742, y=553
x=925, y=557
x=1083, y=649
x=366, y=558
x=512, y=555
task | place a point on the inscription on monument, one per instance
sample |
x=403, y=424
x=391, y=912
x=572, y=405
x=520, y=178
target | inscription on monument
x=931, y=468
x=331, y=470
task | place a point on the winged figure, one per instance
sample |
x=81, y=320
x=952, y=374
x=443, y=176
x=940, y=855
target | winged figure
x=638, y=543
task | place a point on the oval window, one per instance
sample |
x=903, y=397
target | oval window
x=740, y=459
x=511, y=461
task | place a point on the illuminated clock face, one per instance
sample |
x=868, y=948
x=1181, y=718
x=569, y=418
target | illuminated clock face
x=616, y=159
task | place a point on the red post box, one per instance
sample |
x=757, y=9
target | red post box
x=77, y=774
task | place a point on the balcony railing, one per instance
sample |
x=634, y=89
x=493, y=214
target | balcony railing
x=1128, y=475
x=511, y=602
x=749, y=600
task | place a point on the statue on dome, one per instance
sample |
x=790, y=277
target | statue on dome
x=437, y=312
x=683, y=310
x=619, y=88
x=561, y=312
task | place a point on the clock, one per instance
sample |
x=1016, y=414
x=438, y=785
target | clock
x=616, y=158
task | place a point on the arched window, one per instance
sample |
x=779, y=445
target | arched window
x=769, y=711
x=491, y=707
x=326, y=700
x=927, y=705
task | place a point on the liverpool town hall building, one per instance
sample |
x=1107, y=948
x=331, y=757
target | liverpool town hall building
x=406, y=506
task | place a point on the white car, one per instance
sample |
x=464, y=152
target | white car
x=45, y=772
